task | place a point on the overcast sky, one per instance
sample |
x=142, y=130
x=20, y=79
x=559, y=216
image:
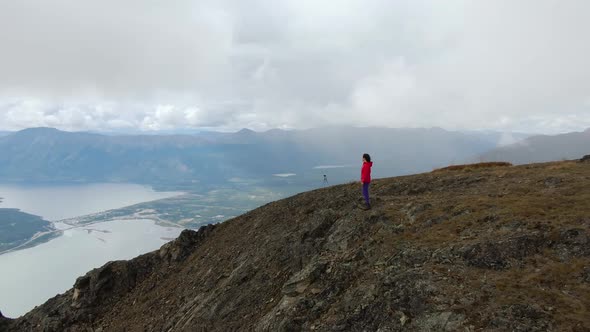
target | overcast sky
x=226, y=64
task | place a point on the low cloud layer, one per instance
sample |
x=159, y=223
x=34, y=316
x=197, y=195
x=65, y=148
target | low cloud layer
x=149, y=65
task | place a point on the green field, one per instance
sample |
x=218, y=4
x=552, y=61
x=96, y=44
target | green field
x=192, y=210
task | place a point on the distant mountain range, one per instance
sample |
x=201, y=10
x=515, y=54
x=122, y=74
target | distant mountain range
x=543, y=148
x=210, y=158
x=499, y=138
x=50, y=155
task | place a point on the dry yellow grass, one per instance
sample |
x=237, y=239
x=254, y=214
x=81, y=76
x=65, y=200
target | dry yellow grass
x=471, y=167
x=487, y=205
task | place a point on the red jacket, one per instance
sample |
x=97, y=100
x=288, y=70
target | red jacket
x=366, y=172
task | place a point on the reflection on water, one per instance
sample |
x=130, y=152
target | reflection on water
x=31, y=276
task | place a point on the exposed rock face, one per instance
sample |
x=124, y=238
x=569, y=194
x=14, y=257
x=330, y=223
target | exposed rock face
x=488, y=249
x=95, y=293
x=585, y=159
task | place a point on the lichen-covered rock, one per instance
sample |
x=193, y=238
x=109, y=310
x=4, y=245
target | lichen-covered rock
x=501, y=254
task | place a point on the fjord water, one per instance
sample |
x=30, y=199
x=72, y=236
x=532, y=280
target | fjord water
x=56, y=202
x=31, y=276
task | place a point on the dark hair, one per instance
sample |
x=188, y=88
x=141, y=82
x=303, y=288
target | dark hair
x=367, y=157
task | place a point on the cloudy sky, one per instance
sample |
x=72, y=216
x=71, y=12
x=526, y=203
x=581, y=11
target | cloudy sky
x=226, y=64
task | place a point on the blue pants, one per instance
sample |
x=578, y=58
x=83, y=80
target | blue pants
x=366, y=193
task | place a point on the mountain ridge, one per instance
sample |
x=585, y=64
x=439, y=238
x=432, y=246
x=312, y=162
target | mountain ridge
x=543, y=148
x=48, y=155
x=492, y=248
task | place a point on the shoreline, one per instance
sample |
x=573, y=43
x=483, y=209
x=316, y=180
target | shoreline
x=55, y=232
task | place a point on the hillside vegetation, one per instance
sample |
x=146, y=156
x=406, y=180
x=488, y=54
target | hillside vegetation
x=472, y=249
x=17, y=227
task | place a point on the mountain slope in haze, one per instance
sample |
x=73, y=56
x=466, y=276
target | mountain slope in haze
x=493, y=249
x=49, y=155
x=543, y=148
x=500, y=138
x=17, y=227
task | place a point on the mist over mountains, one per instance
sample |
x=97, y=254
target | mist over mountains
x=50, y=155
x=543, y=148
x=210, y=158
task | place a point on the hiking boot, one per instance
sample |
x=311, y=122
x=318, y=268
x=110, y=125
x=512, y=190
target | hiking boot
x=366, y=207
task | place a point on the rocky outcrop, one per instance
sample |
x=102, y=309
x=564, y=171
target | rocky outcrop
x=490, y=249
x=499, y=254
x=3, y=322
x=585, y=159
x=95, y=293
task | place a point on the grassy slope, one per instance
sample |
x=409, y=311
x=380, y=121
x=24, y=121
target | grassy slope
x=484, y=209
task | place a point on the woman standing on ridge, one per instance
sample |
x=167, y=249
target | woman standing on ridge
x=366, y=179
